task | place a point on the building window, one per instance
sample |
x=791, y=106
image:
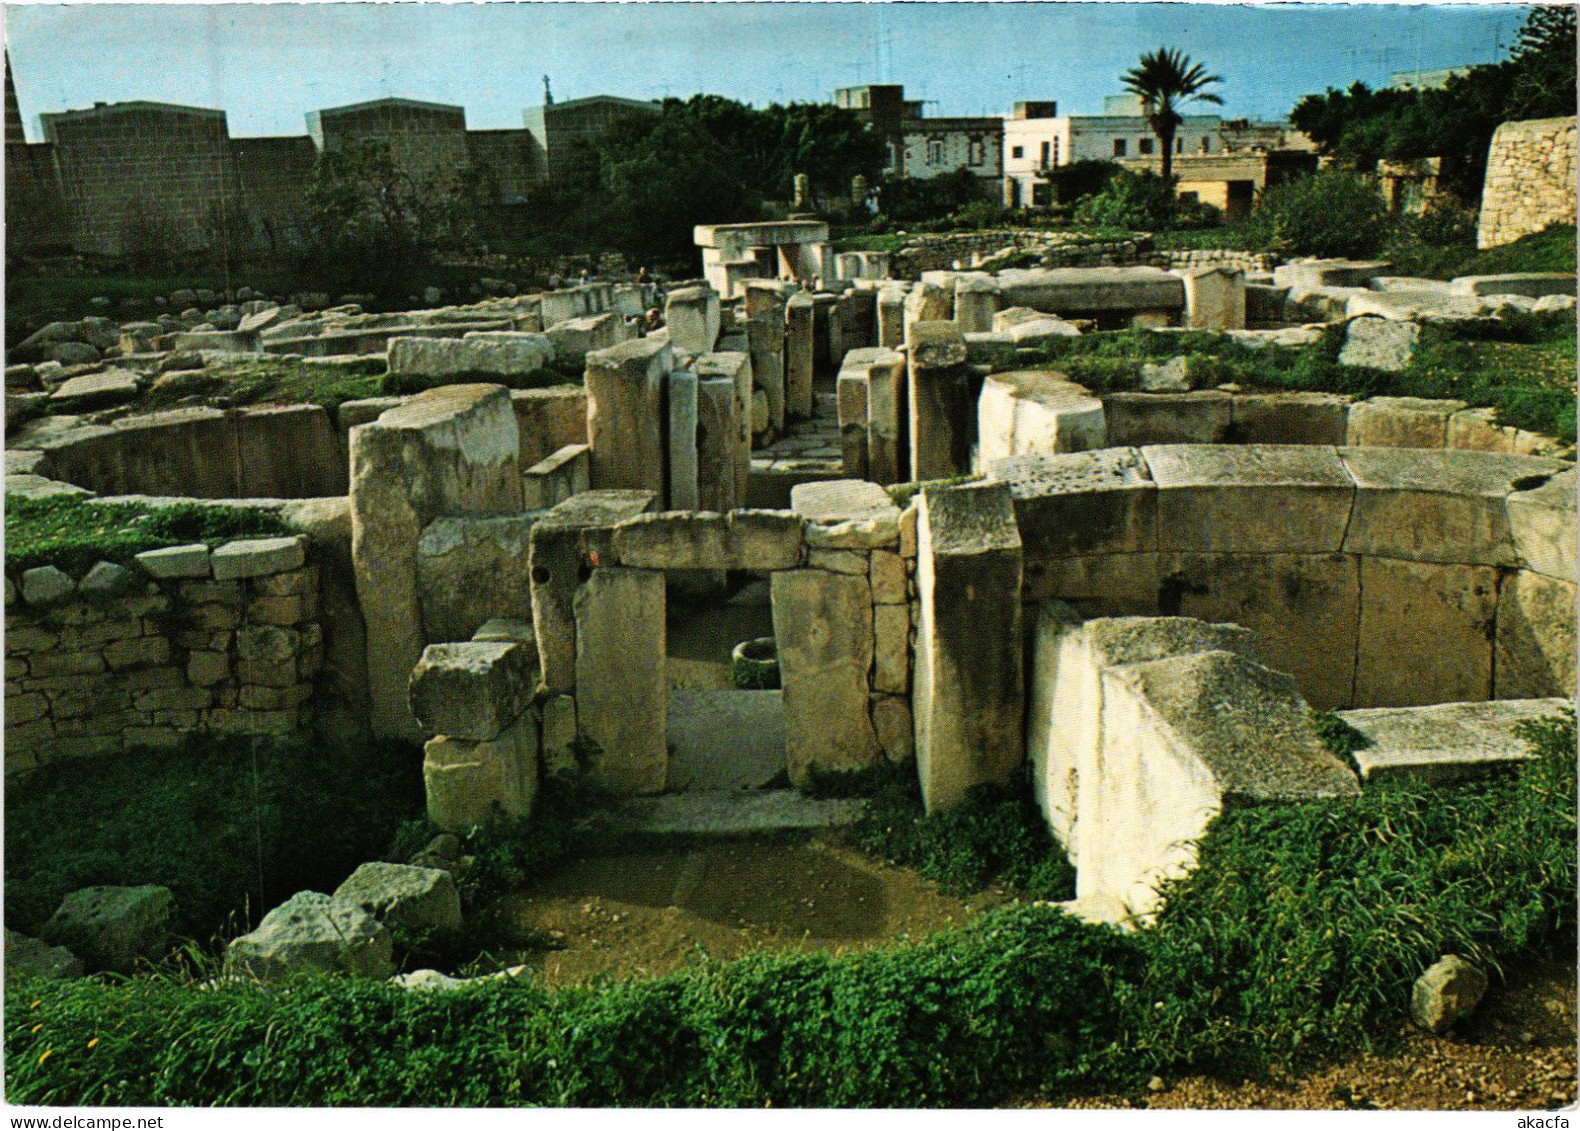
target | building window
x=1041, y=194
x=1018, y=152
x=1206, y=145
x=974, y=152
x=1119, y=147
x=935, y=152
x=1046, y=149
x=1144, y=147
x=1055, y=151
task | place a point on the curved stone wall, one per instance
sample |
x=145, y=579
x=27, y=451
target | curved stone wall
x=1377, y=577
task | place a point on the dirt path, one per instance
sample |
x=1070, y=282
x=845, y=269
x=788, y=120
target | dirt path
x=646, y=914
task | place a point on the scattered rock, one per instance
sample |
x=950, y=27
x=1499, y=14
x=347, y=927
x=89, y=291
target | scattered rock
x=1171, y=376
x=312, y=932
x=431, y=981
x=34, y=958
x=45, y=585
x=106, y=579
x=1379, y=343
x=1448, y=991
x=112, y=928
x=404, y=895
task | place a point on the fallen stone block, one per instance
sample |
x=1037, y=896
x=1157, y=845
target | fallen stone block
x=1033, y=412
x=1445, y=742
x=403, y=895
x=472, y=690
x=113, y=928
x=33, y=958
x=467, y=783
x=313, y=933
x=1379, y=343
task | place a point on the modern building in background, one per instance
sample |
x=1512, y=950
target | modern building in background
x=554, y=126
x=920, y=146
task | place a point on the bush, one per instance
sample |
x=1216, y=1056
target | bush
x=1298, y=934
x=228, y=828
x=1333, y=214
x=75, y=531
x=1129, y=201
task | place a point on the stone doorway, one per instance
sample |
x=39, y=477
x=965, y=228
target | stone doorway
x=720, y=736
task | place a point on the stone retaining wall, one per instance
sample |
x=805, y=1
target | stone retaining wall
x=1530, y=180
x=188, y=642
x=1055, y=249
x=1376, y=577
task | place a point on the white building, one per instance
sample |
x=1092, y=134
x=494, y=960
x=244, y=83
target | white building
x=1036, y=139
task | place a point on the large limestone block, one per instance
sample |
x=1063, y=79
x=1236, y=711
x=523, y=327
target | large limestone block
x=888, y=423
x=840, y=500
x=1037, y=412
x=682, y=431
x=735, y=367
x=1534, y=652
x=1303, y=608
x=472, y=689
x=1202, y=417
x=942, y=408
x=503, y=356
x=800, y=354
x=1214, y=298
x=1251, y=499
x=742, y=539
x=404, y=895
x=765, y=345
x=625, y=414
x=1446, y=742
x=311, y=933
x=1379, y=343
x=1439, y=506
x=1064, y=689
x=1290, y=418
x=549, y=419
x=976, y=302
x=289, y=452
x=717, y=445
x=852, y=396
x=467, y=782
x=891, y=316
x=1478, y=430
x=1329, y=272
x=1083, y=290
x=1100, y=585
x=562, y=540
x=967, y=678
x=113, y=928
x=824, y=632
x=451, y=450
x=470, y=570
x=1183, y=738
x=1101, y=502
x=575, y=338
x=1425, y=633
x=1542, y=519
x=692, y=317
x=928, y=302
x=1401, y=422
x=622, y=693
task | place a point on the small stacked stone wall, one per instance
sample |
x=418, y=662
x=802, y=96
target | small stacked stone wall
x=186, y=642
x=1054, y=249
x=1213, y=257
x=1530, y=182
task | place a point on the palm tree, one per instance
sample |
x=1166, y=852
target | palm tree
x=1164, y=79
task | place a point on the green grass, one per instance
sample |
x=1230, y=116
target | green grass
x=73, y=532
x=1526, y=372
x=272, y=381
x=227, y=828
x=1295, y=940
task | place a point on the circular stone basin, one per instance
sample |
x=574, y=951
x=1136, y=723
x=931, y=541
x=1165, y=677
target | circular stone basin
x=754, y=664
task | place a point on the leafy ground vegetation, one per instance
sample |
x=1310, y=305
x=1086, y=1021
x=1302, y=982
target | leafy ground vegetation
x=1295, y=939
x=73, y=531
x=1523, y=366
x=271, y=380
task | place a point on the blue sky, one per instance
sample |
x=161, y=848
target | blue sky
x=267, y=65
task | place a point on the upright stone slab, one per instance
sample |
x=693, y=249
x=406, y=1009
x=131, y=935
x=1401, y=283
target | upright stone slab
x=927, y=302
x=451, y=450
x=1534, y=653
x=717, y=445
x=891, y=316
x=683, y=441
x=692, y=317
x=622, y=692
x=941, y=401
x=823, y=628
x=1034, y=412
x=967, y=681
x=561, y=543
x=976, y=302
x=888, y=425
x=737, y=369
x=766, y=332
x=1214, y=298
x=625, y=414
x=470, y=570
x=852, y=390
x=799, y=355
x=1425, y=633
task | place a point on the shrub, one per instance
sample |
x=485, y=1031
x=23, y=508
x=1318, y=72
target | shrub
x=226, y=826
x=1130, y=201
x=1331, y=213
